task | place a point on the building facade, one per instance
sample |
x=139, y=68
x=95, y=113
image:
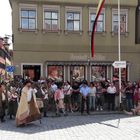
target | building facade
x=52, y=39
x=5, y=58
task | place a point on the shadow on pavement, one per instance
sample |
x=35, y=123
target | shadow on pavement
x=55, y=123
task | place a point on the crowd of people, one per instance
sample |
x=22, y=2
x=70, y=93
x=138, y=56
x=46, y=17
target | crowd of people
x=28, y=101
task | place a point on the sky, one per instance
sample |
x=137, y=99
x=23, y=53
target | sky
x=5, y=18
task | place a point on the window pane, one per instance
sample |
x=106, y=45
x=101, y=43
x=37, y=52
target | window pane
x=54, y=25
x=123, y=27
x=115, y=17
x=92, y=17
x=76, y=16
x=101, y=17
x=91, y=25
x=115, y=26
x=24, y=23
x=70, y=25
x=48, y=15
x=123, y=18
x=32, y=24
x=76, y=25
x=24, y=13
x=48, y=24
x=54, y=15
x=99, y=27
x=70, y=16
x=32, y=14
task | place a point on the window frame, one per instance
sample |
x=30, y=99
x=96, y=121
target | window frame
x=51, y=8
x=122, y=12
x=27, y=7
x=93, y=10
x=73, y=10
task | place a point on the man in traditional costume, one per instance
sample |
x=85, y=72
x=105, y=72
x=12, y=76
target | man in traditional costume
x=28, y=110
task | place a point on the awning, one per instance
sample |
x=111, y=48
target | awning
x=80, y=63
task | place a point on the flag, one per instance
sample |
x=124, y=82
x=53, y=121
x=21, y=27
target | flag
x=99, y=9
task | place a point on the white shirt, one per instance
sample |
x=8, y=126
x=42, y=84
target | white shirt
x=92, y=91
x=111, y=90
x=67, y=90
x=29, y=94
x=3, y=97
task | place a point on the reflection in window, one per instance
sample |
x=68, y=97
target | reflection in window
x=123, y=74
x=77, y=73
x=98, y=73
x=55, y=73
x=51, y=20
x=73, y=21
x=100, y=22
x=28, y=19
x=123, y=21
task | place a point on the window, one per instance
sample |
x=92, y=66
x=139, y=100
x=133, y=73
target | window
x=123, y=20
x=100, y=26
x=77, y=73
x=73, y=19
x=51, y=20
x=98, y=73
x=51, y=17
x=123, y=74
x=56, y=73
x=28, y=19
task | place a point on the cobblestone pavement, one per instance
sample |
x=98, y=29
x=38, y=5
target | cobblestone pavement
x=91, y=127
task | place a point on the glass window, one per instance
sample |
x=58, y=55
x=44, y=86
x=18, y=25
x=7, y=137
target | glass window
x=100, y=22
x=123, y=74
x=28, y=19
x=51, y=20
x=73, y=21
x=98, y=73
x=123, y=21
x=56, y=73
x=77, y=73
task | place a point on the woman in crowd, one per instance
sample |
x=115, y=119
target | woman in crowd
x=28, y=110
x=92, y=96
x=67, y=99
x=59, y=100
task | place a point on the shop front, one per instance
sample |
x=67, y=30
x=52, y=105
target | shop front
x=80, y=70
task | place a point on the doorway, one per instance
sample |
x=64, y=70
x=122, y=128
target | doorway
x=32, y=71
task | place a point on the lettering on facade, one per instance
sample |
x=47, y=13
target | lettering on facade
x=84, y=57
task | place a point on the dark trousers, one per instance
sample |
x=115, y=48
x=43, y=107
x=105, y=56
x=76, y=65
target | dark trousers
x=2, y=111
x=99, y=102
x=83, y=101
x=45, y=105
x=111, y=102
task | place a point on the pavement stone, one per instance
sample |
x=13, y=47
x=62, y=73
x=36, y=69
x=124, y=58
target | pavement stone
x=75, y=127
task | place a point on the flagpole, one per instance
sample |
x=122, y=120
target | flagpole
x=119, y=52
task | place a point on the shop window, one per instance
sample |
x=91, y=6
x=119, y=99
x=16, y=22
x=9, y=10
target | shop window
x=77, y=73
x=123, y=74
x=98, y=73
x=56, y=73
